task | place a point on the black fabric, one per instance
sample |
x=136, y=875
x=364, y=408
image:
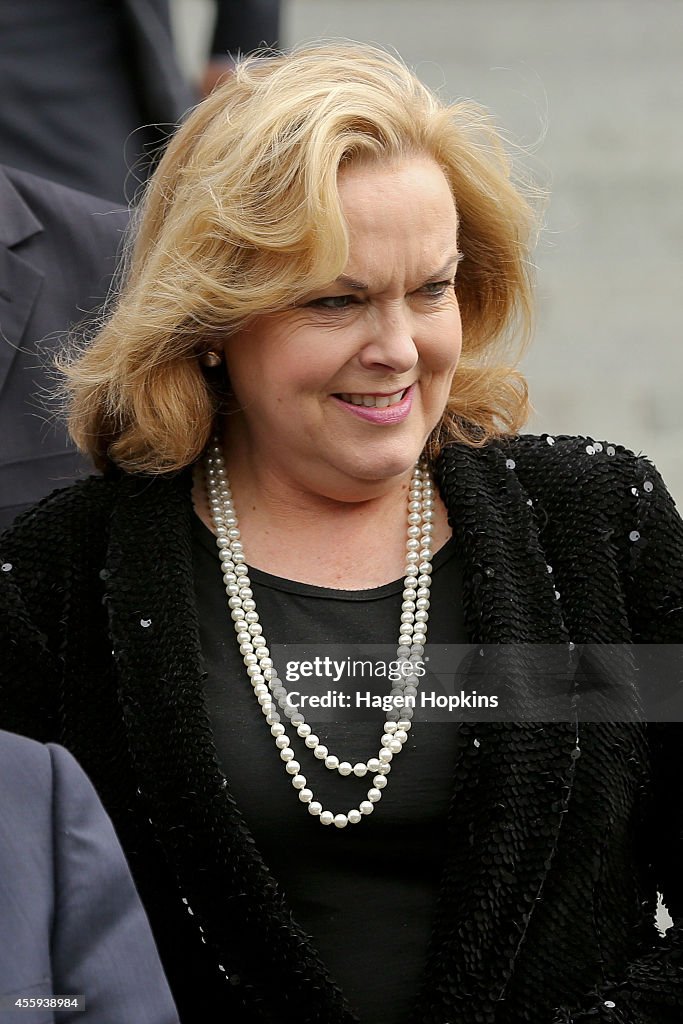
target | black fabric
x=545, y=912
x=244, y=25
x=374, y=887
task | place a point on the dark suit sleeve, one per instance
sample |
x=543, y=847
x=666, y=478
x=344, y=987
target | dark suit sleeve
x=650, y=990
x=102, y=946
x=244, y=25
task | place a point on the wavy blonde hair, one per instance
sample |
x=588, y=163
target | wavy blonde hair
x=243, y=217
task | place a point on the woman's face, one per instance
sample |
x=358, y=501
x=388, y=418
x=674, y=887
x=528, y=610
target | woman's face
x=348, y=385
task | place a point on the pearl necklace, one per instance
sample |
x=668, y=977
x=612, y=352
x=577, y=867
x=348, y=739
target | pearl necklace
x=267, y=685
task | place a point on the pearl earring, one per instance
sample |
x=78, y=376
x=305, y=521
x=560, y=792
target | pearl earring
x=210, y=359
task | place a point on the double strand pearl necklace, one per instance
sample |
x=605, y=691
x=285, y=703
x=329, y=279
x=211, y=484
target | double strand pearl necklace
x=269, y=691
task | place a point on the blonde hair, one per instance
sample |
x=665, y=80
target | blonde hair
x=243, y=217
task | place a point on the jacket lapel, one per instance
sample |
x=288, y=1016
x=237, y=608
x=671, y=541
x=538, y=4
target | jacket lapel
x=221, y=876
x=513, y=779
x=20, y=282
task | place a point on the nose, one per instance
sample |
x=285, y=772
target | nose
x=390, y=344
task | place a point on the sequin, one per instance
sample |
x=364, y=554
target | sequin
x=510, y=463
x=609, y=1004
x=145, y=623
x=634, y=536
x=490, y=571
x=634, y=491
x=477, y=743
x=557, y=595
x=549, y=568
x=598, y=446
x=648, y=486
x=6, y=566
x=529, y=501
x=590, y=450
x=610, y=449
x=550, y=440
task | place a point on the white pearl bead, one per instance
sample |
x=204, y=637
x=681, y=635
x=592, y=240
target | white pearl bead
x=259, y=665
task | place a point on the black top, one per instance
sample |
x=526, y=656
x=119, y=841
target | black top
x=552, y=865
x=365, y=894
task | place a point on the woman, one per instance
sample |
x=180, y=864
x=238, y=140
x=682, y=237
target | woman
x=328, y=265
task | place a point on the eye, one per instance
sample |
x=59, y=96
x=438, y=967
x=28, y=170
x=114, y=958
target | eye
x=335, y=302
x=437, y=289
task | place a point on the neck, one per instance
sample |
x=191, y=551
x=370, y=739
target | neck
x=293, y=531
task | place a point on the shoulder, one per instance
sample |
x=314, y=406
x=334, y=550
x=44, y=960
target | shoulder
x=39, y=213
x=27, y=780
x=21, y=755
x=64, y=512
x=577, y=468
x=49, y=197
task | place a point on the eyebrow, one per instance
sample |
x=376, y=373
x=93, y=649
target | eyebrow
x=360, y=286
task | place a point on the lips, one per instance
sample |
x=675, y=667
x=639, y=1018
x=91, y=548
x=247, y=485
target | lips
x=382, y=410
x=373, y=401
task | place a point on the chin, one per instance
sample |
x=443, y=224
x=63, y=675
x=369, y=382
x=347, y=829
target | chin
x=384, y=466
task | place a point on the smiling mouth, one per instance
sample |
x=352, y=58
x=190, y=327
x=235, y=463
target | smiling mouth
x=373, y=401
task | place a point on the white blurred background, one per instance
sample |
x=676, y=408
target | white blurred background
x=594, y=89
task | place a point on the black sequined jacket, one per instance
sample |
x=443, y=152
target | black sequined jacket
x=547, y=903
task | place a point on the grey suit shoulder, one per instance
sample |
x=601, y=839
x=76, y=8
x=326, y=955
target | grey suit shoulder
x=58, y=252
x=71, y=922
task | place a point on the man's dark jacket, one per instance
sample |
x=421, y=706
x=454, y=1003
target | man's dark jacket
x=560, y=835
x=58, y=251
